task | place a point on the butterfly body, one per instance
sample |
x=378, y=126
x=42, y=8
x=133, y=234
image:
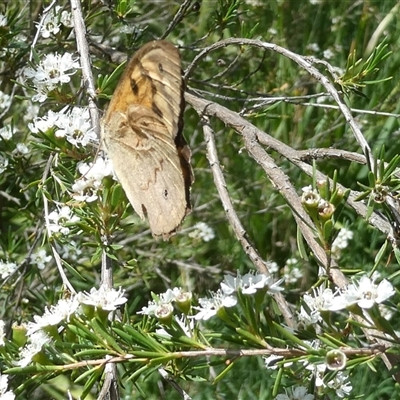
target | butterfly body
x=142, y=133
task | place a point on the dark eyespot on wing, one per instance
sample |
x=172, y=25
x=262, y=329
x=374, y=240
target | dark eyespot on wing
x=160, y=68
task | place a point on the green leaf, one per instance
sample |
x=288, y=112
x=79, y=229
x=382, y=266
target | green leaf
x=93, y=378
x=224, y=372
x=106, y=336
x=300, y=245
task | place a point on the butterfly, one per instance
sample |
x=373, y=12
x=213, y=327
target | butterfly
x=142, y=135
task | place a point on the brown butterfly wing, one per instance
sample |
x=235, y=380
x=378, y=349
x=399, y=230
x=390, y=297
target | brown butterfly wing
x=142, y=132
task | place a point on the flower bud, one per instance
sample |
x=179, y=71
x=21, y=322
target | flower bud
x=164, y=312
x=335, y=360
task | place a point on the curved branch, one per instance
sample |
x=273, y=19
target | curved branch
x=244, y=127
x=305, y=64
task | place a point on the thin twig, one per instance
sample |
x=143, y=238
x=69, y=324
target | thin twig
x=214, y=352
x=57, y=257
x=87, y=76
x=110, y=387
x=234, y=220
x=39, y=26
x=183, y=9
x=172, y=382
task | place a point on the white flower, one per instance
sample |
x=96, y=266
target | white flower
x=3, y=163
x=341, y=385
x=36, y=342
x=52, y=316
x=60, y=218
x=40, y=258
x=341, y=241
x=5, y=99
x=150, y=309
x=4, y=394
x=7, y=269
x=66, y=19
x=85, y=188
x=322, y=299
x=75, y=126
x=163, y=301
x=298, y=393
x=51, y=71
x=249, y=283
x=158, y=302
x=105, y=299
x=97, y=171
x=54, y=69
x=328, y=54
x=21, y=148
x=71, y=251
x=44, y=124
x=313, y=47
x=202, y=231
x=2, y=333
x=366, y=293
x=272, y=267
x=209, y=307
x=50, y=24
x=3, y=20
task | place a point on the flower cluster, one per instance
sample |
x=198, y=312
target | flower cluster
x=202, y=231
x=364, y=293
x=51, y=24
x=53, y=70
x=74, y=125
x=4, y=393
x=161, y=305
x=341, y=241
x=86, y=187
x=291, y=270
x=44, y=329
x=40, y=258
x=335, y=360
x=231, y=288
x=59, y=219
x=7, y=269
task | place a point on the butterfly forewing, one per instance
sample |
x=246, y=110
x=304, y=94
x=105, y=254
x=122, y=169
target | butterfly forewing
x=142, y=135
